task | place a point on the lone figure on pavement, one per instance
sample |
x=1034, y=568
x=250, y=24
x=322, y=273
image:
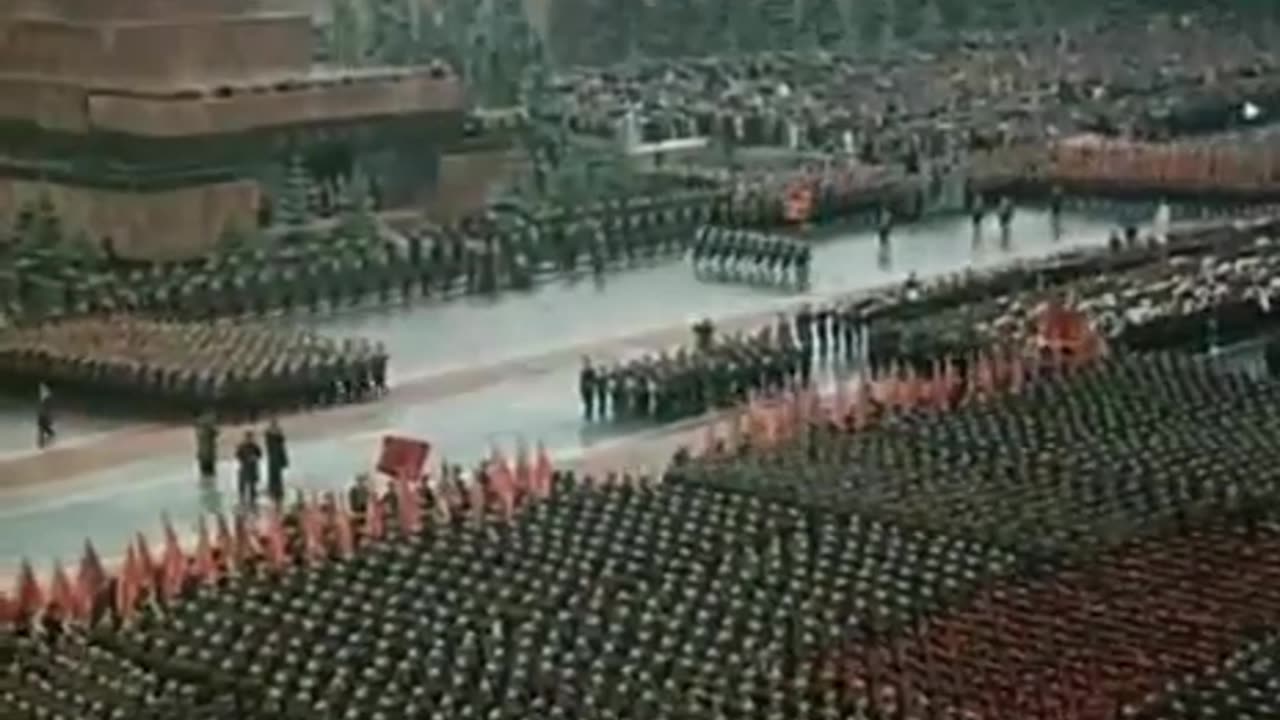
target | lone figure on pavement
x=277, y=461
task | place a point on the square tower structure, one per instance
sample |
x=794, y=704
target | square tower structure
x=158, y=126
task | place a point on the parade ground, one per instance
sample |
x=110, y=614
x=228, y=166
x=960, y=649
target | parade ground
x=467, y=374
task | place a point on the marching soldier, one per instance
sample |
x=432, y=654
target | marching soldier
x=45, y=432
x=804, y=327
x=822, y=329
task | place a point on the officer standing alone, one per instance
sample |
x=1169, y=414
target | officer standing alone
x=277, y=461
x=248, y=455
x=588, y=381
x=207, y=446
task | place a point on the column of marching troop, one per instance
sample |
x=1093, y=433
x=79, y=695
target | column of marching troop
x=721, y=371
x=736, y=255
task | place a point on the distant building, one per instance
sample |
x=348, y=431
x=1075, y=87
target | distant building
x=161, y=125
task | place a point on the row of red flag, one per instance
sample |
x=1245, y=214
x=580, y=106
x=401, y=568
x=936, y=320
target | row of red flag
x=1166, y=163
x=855, y=403
x=325, y=527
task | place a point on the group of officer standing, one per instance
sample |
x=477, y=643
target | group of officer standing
x=249, y=454
x=740, y=255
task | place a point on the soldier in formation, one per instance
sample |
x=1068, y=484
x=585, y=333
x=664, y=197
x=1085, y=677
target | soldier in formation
x=685, y=383
x=836, y=331
x=736, y=255
x=236, y=370
x=482, y=253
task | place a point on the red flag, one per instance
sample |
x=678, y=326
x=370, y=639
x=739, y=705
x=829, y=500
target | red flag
x=524, y=472
x=840, y=403
x=30, y=596
x=1017, y=373
x=312, y=525
x=476, y=497
x=127, y=586
x=174, y=570
x=709, y=440
x=246, y=543
x=227, y=546
x=343, y=535
x=408, y=506
x=402, y=457
x=444, y=505
x=502, y=483
x=63, y=596
x=542, y=472
x=206, y=569
x=374, y=523
x=275, y=552
x=148, y=568
x=910, y=389
x=92, y=577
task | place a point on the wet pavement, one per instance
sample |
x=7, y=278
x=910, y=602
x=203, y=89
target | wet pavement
x=534, y=403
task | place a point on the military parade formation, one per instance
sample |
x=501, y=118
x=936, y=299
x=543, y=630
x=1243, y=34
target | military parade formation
x=1000, y=554
x=716, y=372
x=233, y=369
x=733, y=255
x=1035, y=492
x=1217, y=289
x=483, y=253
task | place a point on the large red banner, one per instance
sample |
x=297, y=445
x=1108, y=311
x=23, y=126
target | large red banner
x=402, y=457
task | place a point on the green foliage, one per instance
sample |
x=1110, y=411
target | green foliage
x=356, y=217
x=235, y=238
x=24, y=222
x=291, y=210
x=347, y=41
x=46, y=230
x=393, y=38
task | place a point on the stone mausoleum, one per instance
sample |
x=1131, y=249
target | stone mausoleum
x=157, y=127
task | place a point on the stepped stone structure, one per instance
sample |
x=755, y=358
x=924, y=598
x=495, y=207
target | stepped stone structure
x=158, y=126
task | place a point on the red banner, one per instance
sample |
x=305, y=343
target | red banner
x=403, y=458
x=798, y=203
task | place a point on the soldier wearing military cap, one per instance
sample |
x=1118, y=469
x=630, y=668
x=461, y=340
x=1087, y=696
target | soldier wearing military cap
x=249, y=457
